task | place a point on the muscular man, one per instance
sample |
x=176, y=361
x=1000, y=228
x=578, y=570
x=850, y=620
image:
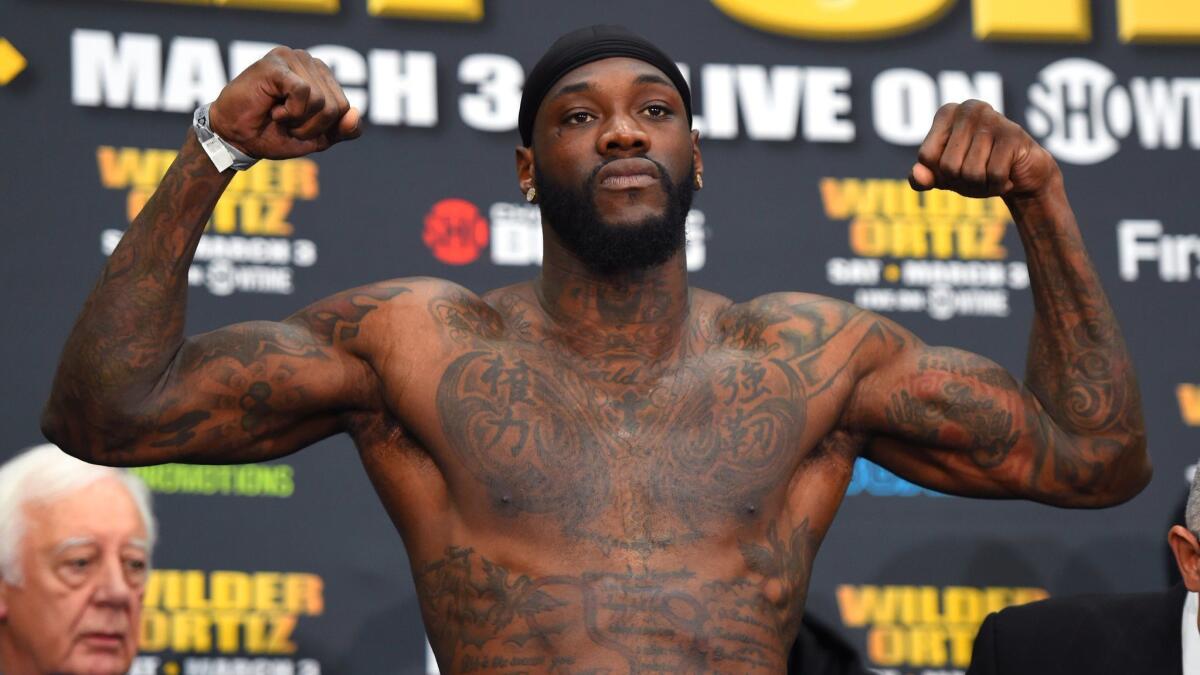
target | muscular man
x=603, y=469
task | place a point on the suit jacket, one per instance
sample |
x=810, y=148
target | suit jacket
x=1131, y=634
x=820, y=650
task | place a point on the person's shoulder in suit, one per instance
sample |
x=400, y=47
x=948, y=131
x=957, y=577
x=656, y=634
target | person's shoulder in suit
x=1093, y=634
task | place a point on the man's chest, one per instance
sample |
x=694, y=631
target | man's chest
x=618, y=451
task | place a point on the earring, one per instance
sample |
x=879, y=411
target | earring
x=699, y=181
x=531, y=194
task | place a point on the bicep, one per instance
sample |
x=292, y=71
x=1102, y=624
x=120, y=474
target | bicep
x=952, y=421
x=248, y=392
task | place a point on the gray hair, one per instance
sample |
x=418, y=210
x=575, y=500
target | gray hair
x=1192, y=511
x=43, y=473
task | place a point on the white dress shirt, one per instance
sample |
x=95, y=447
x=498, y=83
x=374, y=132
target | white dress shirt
x=1191, y=636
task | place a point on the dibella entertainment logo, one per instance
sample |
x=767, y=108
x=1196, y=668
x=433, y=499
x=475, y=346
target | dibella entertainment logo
x=455, y=231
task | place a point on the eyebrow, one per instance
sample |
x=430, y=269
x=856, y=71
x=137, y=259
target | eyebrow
x=72, y=542
x=651, y=78
x=571, y=89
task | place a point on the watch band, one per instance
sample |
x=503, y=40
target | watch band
x=223, y=155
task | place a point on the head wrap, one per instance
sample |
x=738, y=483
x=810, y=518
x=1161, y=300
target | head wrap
x=583, y=46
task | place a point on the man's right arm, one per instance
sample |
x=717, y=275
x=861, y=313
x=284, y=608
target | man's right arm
x=130, y=389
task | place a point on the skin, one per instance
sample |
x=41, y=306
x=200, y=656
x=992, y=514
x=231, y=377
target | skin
x=605, y=473
x=79, y=603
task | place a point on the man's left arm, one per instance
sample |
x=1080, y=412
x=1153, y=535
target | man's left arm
x=1072, y=434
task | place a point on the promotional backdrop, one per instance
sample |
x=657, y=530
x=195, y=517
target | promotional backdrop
x=810, y=112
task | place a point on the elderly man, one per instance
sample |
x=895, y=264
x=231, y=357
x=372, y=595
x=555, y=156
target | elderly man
x=75, y=542
x=1118, y=634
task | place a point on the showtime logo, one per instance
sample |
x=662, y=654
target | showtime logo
x=456, y=234
x=1081, y=112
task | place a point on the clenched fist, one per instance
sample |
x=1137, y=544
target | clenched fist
x=977, y=152
x=285, y=105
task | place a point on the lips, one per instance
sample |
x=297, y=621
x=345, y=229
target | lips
x=104, y=640
x=628, y=174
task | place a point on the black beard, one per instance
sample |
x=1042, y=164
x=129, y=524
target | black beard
x=611, y=249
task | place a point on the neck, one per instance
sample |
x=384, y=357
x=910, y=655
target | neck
x=644, y=310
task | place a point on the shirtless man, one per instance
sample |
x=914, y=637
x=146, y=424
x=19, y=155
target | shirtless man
x=603, y=470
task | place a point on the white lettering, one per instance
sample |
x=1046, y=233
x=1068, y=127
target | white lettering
x=496, y=103
x=403, y=88
x=115, y=73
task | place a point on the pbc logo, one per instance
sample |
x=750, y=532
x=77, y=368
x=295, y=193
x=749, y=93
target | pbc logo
x=455, y=231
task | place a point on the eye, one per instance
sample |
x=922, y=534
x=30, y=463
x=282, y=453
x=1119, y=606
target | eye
x=136, y=570
x=657, y=110
x=78, y=564
x=579, y=117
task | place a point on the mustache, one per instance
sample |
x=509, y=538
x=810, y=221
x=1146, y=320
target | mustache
x=664, y=176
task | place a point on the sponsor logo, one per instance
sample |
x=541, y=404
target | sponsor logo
x=249, y=480
x=1081, y=113
x=933, y=252
x=222, y=621
x=871, y=479
x=248, y=245
x=1175, y=257
x=918, y=628
x=455, y=231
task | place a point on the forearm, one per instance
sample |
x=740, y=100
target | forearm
x=1078, y=366
x=132, y=323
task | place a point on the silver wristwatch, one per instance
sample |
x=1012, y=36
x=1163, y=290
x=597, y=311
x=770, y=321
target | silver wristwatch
x=222, y=154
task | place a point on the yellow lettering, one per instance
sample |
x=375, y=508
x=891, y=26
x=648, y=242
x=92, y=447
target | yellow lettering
x=843, y=20
x=230, y=590
x=885, y=646
x=908, y=238
x=869, y=236
x=279, y=639
x=434, y=10
x=129, y=167
x=191, y=631
x=193, y=590
x=941, y=237
x=303, y=594
x=228, y=631
x=267, y=591
x=224, y=217
x=1158, y=21
x=317, y=6
x=927, y=647
x=1055, y=20
x=1189, y=403
x=863, y=605
x=256, y=633
x=962, y=641
x=963, y=604
x=155, y=630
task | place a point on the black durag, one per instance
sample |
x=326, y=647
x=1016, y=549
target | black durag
x=583, y=46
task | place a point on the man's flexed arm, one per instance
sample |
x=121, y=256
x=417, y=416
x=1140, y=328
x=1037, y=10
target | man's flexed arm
x=129, y=388
x=1073, y=434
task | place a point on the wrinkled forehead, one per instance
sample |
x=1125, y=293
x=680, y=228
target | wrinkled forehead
x=102, y=511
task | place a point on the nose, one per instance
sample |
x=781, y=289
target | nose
x=113, y=587
x=622, y=134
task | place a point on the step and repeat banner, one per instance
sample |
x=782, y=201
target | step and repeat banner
x=810, y=113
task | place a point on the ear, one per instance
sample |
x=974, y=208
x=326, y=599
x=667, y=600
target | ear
x=697, y=160
x=525, y=169
x=1187, y=555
